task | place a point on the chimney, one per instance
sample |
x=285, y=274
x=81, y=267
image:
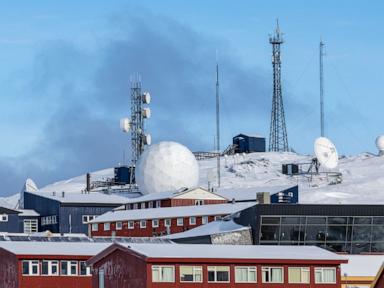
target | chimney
x=88, y=181
x=63, y=194
x=263, y=198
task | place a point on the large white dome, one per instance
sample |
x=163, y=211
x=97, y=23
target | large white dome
x=380, y=144
x=166, y=166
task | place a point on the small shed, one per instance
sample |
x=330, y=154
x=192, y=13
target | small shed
x=249, y=143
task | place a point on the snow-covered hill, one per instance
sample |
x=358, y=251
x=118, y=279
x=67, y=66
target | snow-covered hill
x=363, y=178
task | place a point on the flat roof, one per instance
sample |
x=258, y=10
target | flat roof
x=209, y=251
x=245, y=194
x=362, y=265
x=172, y=212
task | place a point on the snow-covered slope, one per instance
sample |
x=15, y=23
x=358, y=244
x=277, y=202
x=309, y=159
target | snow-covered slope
x=363, y=178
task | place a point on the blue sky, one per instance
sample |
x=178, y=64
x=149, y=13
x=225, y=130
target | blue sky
x=65, y=67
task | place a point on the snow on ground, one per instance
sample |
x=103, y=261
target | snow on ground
x=363, y=178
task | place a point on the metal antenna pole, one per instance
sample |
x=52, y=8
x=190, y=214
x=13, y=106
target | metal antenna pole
x=218, y=124
x=278, y=139
x=322, y=53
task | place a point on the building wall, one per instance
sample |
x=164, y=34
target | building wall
x=191, y=202
x=8, y=270
x=120, y=271
x=149, y=231
x=12, y=225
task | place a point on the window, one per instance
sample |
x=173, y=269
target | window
x=135, y=206
x=180, y=221
x=192, y=220
x=217, y=218
x=69, y=268
x=191, y=274
x=119, y=225
x=204, y=220
x=31, y=267
x=218, y=273
x=298, y=275
x=101, y=278
x=107, y=226
x=167, y=222
x=199, y=202
x=95, y=226
x=131, y=224
x=143, y=224
x=158, y=204
x=73, y=268
x=3, y=218
x=142, y=205
x=50, y=267
x=155, y=223
x=163, y=274
x=87, y=218
x=150, y=204
x=245, y=274
x=30, y=226
x=325, y=275
x=64, y=268
x=272, y=274
x=84, y=270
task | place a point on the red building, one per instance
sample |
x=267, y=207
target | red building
x=182, y=265
x=160, y=221
x=46, y=264
x=185, y=197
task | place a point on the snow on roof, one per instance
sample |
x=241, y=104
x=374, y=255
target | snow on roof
x=244, y=194
x=172, y=212
x=28, y=213
x=362, y=265
x=53, y=248
x=215, y=227
x=250, y=135
x=234, y=251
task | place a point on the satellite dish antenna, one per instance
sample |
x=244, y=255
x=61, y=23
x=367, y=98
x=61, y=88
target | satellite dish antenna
x=146, y=98
x=146, y=113
x=125, y=124
x=147, y=139
x=326, y=152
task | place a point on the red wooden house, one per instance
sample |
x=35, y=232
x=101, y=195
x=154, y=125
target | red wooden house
x=201, y=265
x=160, y=221
x=27, y=264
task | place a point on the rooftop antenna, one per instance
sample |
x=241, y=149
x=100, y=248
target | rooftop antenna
x=322, y=53
x=218, y=122
x=278, y=139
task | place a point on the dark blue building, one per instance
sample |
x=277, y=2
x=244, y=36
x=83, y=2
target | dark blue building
x=18, y=221
x=248, y=143
x=69, y=212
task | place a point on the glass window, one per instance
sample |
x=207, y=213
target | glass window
x=30, y=226
x=378, y=233
x=34, y=267
x=191, y=274
x=150, y=204
x=25, y=267
x=158, y=204
x=290, y=233
x=270, y=220
x=315, y=233
x=199, y=202
x=107, y=226
x=4, y=218
x=204, y=220
x=245, y=274
x=180, y=221
x=336, y=233
x=142, y=205
x=155, y=223
x=270, y=233
x=44, y=268
x=73, y=268
x=119, y=225
x=143, y=224
x=361, y=233
x=167, y=222
x=131, y=224
x=163, y=274
x=217, y=218
x=95, y=226
x=325, y=275
x=135, y=206
x=337, y=220
x=84, y=270
x=218, y=273
x=192, y=220
x=290, y=220
x=362, y=220
x=64, y=268
x=272, y=274
x=54, y=267
x=298, y=275
x=378, y=220
x=316, y=220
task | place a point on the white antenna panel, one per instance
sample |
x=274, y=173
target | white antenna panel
x=146, y=113
x=146, y=98
x=125, y=124
x=147, y=139
x=326, y=152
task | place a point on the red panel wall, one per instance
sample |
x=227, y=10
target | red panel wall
x=8, y=270
x=191, y=202
x=121, y=270
x=149, y=231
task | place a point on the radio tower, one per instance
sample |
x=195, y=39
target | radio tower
x=278, y=139
x=321, y=89
x=218, y=124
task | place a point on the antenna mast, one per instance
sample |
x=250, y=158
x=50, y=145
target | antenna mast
x=278, y=139
x=322, y=53
x=218, y=124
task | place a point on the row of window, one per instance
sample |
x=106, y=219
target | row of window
x=244, y=274
x=155, y=223
x=55, y=268
x=30, y=225
x=154, y=204
x=87, y=218
x=3, y=218
x=49, y=220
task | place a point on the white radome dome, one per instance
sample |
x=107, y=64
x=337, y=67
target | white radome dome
x=166, y=166
x=380, y=144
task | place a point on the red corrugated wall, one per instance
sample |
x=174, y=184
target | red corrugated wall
x=8, y=270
